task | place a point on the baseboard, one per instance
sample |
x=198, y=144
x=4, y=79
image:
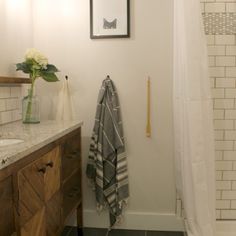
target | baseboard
x=136, y=221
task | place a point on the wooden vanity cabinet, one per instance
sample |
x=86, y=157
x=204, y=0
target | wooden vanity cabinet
x=7, y=223
x=71, y=177
x=38, y=182
x=47, y=189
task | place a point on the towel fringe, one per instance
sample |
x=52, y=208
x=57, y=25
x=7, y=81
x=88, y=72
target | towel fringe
x=100, y=208
x=123, y=203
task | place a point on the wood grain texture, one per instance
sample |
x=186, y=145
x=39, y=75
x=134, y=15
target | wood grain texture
x=31, y=191
x=71, y=177
x=80, y=216
x=71, y=155
x=36, y=226
x=6, y=208
x=53, y=215
x=71, y=194
x=36, y=186
x=14, y=80
x=52, y=161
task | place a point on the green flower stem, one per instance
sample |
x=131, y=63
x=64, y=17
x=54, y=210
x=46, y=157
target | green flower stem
x=29, y=105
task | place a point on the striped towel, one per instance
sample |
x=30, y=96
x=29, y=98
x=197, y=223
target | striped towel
x=107, y=166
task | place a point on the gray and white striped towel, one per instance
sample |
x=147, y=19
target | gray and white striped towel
x=107, y=166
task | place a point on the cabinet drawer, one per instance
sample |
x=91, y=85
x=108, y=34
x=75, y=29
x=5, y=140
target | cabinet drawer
x=37, y=183
x=71, y=193
x=71, y=155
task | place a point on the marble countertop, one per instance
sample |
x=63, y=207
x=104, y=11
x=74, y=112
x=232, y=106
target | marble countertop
x=35, y=136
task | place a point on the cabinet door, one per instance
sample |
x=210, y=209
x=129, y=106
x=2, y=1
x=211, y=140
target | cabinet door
x=6, y=208
x=71, y=177
x=31, y=190
x=37, y=183
x=36, y=226
x=54, y=215
x=72, y=196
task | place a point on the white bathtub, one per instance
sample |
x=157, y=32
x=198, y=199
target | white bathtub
x=226, y=228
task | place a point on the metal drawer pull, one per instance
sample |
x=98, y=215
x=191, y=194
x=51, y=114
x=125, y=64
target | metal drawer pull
x=43, y=170
x=50, y=164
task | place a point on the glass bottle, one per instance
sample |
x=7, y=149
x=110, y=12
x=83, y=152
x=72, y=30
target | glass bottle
x=30, y=108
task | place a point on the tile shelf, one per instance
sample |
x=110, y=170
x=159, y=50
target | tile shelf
x=14, y=80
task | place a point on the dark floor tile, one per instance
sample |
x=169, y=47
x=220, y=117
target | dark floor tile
x=163, y=233
x=94, y=232
x=68, y=231
x=113, y=232
x=122, y=232
x=72, y=231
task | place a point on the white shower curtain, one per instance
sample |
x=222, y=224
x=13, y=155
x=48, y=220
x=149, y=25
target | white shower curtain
x=193, y=122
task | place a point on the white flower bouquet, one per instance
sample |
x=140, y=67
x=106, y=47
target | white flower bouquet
x=36, y=65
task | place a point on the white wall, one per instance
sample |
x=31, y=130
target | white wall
x=16, y=33
x=62, y=33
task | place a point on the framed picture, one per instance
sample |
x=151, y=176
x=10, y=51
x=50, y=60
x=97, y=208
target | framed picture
x=109, y=19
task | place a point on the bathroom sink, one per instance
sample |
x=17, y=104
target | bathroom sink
x=9, y=141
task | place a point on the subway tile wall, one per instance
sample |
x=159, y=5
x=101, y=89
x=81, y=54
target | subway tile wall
x=220, y=27
x=10, y=105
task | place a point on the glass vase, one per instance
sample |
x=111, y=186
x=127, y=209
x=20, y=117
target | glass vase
x=30, y=108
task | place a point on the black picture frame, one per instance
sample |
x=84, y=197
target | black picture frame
x=109, y=19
